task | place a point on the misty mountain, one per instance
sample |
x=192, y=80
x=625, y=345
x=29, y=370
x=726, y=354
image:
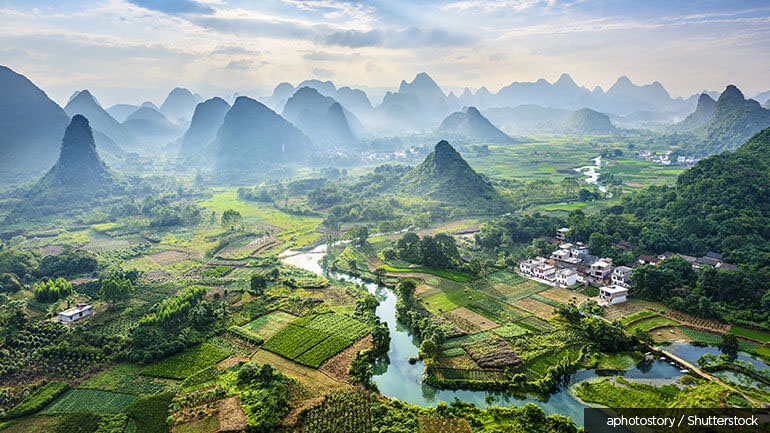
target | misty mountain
x=151, y=127
x=527, y=119
x=79, y=172
x=179, y=104
x=588, y=121
x=31, y=127
x=208, y=117
x=734, y=120
x=764, y=96
x=120, y=112
x=312, y=113
x=445, y=176
x=253, y=135
x=119, y=138
x=470, y=124
x=700, y=117
x=354, y=100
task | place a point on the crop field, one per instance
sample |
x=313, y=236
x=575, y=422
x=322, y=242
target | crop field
x=460, y=277
x=639, y=315
x=620, y=311
x=121, y=326
x=510, y=330
x=534, y=324
x=469, y=321
x=459, y=341
x=506, y=277
x=323, y=351
x=452, y=299
x=715, y=339
x=186, y=363
x=542, y=363
x=698, y=322
x=491, y=353
x=169, y=257
x=293, y=340
x=563, y=296
x=535, y=307
x=125, y=378
x=497, y=311
x=266, y=326
x=750, y=333
x=647, y=324
x=317, y=382
x=102, y=402
x=339, y=325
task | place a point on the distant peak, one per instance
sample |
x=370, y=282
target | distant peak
x=85, y=95
x=443, y=147
x=732, y=90
x=623, y=80
x=565, y=79
x=180, y=91
x=542, y=81
x=473, y=110
x=704, y=99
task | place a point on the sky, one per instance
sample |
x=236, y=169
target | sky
x=134, y=50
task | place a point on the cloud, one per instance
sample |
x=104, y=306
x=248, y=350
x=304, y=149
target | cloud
x=233, y=49
x=322, y=56
x=257, y=27
x=174, y=6
x=413, y=37
x=323, y=73
x=240, y=64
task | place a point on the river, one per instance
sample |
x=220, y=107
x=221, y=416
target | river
x=591, y=173
x=396, y=377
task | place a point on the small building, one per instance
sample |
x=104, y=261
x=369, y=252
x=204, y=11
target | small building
x=561, y=234
x=706, y=260
x=76, y=313
x=545, y=272
x=623, y=245
x=527, y=267
x=601, y=268
x=647, y=260
x=566, y=277
x=579, y=249
x=727, y=266
x=621, y=276
x=560, y=255
x=613, y=294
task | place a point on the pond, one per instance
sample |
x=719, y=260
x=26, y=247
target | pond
x=396, y=377
x=691, y=353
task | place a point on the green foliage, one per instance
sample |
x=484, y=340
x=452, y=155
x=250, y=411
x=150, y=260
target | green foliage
x=439, y=251
x=338, y=325
x=77, y=422
x=38, y=400
x=50, y=290
x=113, y=423
x=150, y=413
x=294, y=340
x=115, y=289
x=258, y=284
x=186, y=363
x=231, y=218
x=346, y=411
x=175, y=309
x=92, y=400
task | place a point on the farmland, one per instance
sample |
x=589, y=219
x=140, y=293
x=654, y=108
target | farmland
x=293, y=340
x=266, y=326
x=102, y=402
x=186, y=363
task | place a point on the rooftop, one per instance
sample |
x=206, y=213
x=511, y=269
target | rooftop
x=76, y=309
x=613, y=289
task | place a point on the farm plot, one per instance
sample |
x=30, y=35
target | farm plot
x=125, y=378
x=507, y=277
x=651, y=322
x=323, y=351
x=292, y=341
x=535, y=307
x=453, y=299
x=186, y=363
x=715, y=339
x=316, y=381
x=102, y=402
x=459, y=341
x=339, y=325
x=170, y=257
x=563, y=296
x=510, y=330
x=469, y=321
x=497, y=311
x=750, y=333
x=266, y=326
x=697, y=322
x=534, y=324
x=639, y=315
x=619, y=311
x=541, y=364
x=491, y=353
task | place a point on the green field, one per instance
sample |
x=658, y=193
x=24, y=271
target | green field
x=750, y=333
x=323, y=351
x=125, y=378
x=647, y=324
x=186, y=363
x=266, y=326
x=460, y=277
x=292, y=341
x=338, y=325
x=102, y=402
x=638, y=315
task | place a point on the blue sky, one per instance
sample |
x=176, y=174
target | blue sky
x=132, y=50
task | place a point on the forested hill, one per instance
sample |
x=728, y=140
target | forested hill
x=720, y=204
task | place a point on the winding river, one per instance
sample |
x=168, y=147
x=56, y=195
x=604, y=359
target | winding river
x=396, y=377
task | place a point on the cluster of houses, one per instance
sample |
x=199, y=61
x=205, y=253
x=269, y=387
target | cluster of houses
x=665, y=159
x=573, y=264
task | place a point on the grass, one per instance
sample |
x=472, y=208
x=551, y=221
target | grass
x=186, y=363
x=149, y=413
x=639, y=315
x=652, y=322
x=103, y=402
x=125, y=378
x=38, y=400
x=292, y=341
x=460, y=277
x=510, y=330
x=266, y=326
x=452, y=299
x=206, y=425
x=618, y=361
x=338, y=325
x=750, y=333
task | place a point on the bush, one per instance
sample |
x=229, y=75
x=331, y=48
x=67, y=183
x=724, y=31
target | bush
x=150, y=413
x=77, y=422
x=37, y=401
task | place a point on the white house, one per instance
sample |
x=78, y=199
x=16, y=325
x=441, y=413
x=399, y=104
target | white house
x=76, y=313
x=527, y=267
x=578, y=249
x=566, y=277
x=621, y=276
x=561, y=234
x=560, y=255
x=613, y=294
x=545, y=271
x=601, y=268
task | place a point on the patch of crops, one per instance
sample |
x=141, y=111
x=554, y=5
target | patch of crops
x=103, y=402
x=267, y=325
x=750, y=333
x=459, y=341
x=38, y=400
x=639, y=315
x=339, y=325
x=506, y=277
x=149, y=413
x=120, y=326
x=541, y=364
x=346, y=411
x=550, y=302
x=534, y=324
x=125, y=378
x=435, y=423
x=293, y=340
x=510, y=330
x=228, y=346
x=455, y=351
x=186, y=363
x=652, y=322
x=491, y=353
x=323, y=351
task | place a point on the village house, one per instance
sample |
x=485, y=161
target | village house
x=579, y=249
x=76, y=313
x=545, y=272
x=566, y=277
x=527, y=267
x=647, y=260
x=601, y=269
x=561, y=234
x=612, y=295
x=621, y=276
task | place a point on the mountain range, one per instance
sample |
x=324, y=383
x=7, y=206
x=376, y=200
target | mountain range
x=179, y=104
x=588, y=121
x=110, y=135
x=206, y=121
x=322, y=118
x=31, y=127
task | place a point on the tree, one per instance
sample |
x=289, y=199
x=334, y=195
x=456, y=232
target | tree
x=729, y=346
x=258, y=284
x=359, y=235
x=231, y=218
x=115, y=289
x=429, y=349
